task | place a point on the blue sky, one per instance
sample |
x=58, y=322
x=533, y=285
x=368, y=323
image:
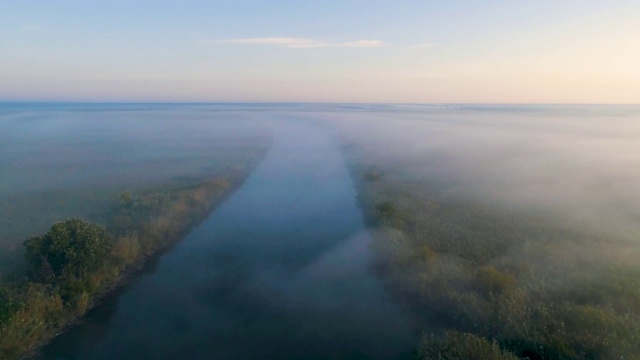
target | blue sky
x=563, y=51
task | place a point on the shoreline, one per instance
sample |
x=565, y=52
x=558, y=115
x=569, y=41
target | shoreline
x=235, y=180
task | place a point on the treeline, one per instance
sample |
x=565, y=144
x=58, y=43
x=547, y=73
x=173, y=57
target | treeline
x=77, y=262
x=500, y=286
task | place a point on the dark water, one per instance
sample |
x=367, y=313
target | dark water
x=278, y=271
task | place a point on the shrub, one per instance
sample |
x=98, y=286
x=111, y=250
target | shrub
x=71, y=248
x=493, y=280
x=8, y=304
x=386, y=210
x=462, y=346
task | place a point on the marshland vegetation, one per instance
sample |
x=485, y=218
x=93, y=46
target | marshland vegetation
x=77, y=262
x=506, y=233
x=120, y=185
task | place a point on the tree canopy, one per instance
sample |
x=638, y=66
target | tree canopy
x=73, y=247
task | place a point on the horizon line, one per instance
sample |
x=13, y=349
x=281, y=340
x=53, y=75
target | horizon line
x=81, y=102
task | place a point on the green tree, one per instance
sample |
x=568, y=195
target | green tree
x=71, y=248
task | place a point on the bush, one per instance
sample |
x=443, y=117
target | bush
x=462, y=346
x=72, y=248
x=8, y=304
x=41, y=312
x=386, y=210
x=493, y=280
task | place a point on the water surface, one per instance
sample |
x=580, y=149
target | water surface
x=278, y=271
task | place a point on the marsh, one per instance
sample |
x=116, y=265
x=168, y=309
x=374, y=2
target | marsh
x=358, y=229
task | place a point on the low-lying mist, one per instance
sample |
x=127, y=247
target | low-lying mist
x=516, y=224
x=579, y=164
x=59, y=161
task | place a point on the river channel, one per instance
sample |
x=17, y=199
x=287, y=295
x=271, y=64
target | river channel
x=278, y=271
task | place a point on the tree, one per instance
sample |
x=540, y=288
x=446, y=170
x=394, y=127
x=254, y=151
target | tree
x=73, y=247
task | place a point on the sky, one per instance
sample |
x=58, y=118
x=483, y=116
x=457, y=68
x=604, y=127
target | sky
x=524, y=51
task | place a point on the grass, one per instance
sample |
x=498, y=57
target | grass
x=499, y=284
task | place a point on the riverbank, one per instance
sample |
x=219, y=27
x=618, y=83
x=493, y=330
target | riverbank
x=142, y=226
x=484, y=280
x=280, y=270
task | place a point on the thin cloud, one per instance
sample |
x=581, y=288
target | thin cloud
x=361, y=43
x=296, y=43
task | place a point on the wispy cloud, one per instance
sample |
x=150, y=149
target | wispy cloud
x=297, y=43
x=361, y=43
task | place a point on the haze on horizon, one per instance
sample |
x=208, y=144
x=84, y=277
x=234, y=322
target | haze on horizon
x=331, y=51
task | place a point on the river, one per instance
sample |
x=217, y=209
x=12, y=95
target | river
x=279, y=271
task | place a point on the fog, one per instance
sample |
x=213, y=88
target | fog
x=280, y=270
x=578, y=165
x=58, y=147
x=58, y=161
x=534, y=198
x=513, y=223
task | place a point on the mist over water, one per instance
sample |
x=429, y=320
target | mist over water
x=283, y=268
x=82, y=146
x=577, y=164
x=58, y=161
